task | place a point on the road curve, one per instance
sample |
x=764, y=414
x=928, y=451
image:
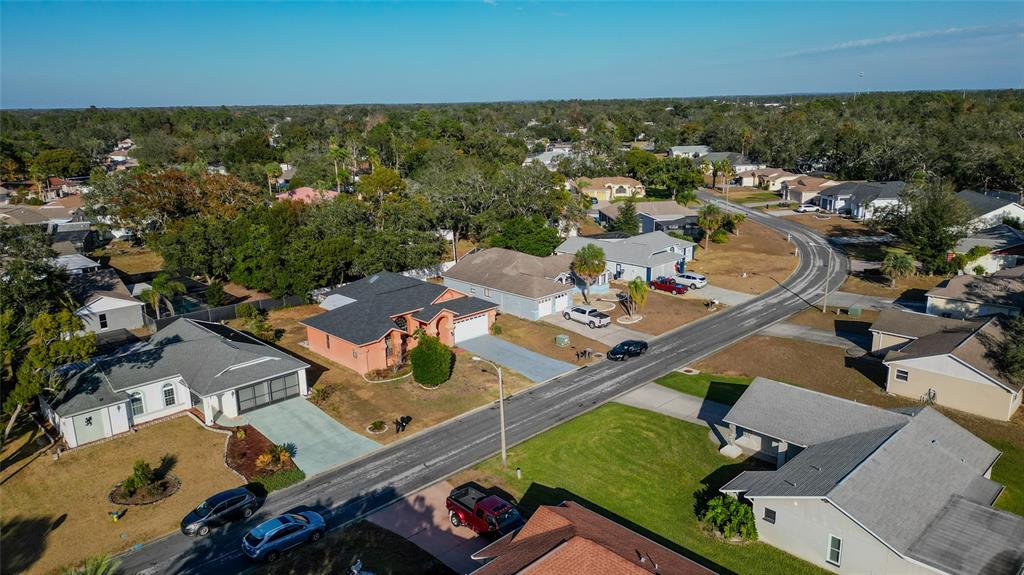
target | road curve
x=358, y=487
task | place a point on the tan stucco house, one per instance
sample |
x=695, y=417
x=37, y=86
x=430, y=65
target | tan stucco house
x=608, y=188
x=977, y=296
x=946, y=361
x=803, y=189
x=860, y=489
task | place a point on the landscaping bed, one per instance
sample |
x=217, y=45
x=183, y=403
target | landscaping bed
x=760, y=252
x=245, y=446
x=613, y=457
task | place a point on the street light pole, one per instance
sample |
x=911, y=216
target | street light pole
x=501, y=410
x=824, y=298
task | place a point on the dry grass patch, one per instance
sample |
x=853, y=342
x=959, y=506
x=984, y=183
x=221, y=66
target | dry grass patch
x=665, y=312
x=913, y=287
x=129, y=259
x=244, y=293
x=835, y=320
x=760, y=252
x=588, y=227
x=539, y=337
x=55, y=512
x=356, y=402
x=834, y=227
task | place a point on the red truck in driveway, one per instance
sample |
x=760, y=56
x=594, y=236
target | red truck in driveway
x=485, y=514
x=670, y=285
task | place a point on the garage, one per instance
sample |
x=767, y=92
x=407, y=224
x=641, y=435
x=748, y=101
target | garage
x=472, y=327
x=89, y=426
x=263, y=393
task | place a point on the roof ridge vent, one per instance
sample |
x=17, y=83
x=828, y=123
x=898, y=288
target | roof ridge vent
x=788, y=482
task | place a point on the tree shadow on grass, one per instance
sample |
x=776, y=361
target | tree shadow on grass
x=538, y=494
x=870, y=367
x=24, y=540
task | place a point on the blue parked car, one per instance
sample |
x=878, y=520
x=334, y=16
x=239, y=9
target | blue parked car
x=275, y=536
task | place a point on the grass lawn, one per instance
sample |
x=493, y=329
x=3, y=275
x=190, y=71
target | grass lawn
x=130, y=259
x=835, y=322
x=746, y=195
x=759, y=252
x=834, y=226
x=539, y=336
x=356, y=402
x=588, y=227
x=381, y=551
x=721, y=388
x=641, y=469
x=55, y=512
x=913, y=287
x=663, y=312
x=827, y=369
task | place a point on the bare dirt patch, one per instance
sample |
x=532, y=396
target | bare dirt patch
x=665, y=312
x=834, y=226
x=913, y=287
x=834, y=322
x=243, y=293
x=540, y=336
x=761, y=253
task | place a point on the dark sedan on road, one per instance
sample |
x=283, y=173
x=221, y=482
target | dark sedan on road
x=275, y=536
x=219, y=509
x=627, y=349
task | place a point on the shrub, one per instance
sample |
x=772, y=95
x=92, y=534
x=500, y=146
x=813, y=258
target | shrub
x=377, y=425
x=240, y=433
x=431, y=361
x=979, y=270
x=720, y=236
x=320, y=394
x=264, y=460
x=215, y=294
x=730, y=517
x=281, y=479
x=247, y=311
x=142, y=477
x=496, y=329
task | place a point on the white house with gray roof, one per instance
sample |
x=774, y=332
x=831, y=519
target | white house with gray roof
x=1005, y=247
x=522, y=285
x=188, y=364
x=861, y=489
x=645, y=256
x=990, y=207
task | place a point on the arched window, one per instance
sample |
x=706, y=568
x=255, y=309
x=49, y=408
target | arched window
x=137, y=407
x=169, y=398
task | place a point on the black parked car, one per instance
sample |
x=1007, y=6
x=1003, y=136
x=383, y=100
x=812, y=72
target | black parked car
x=223, y=507
x=627, y=349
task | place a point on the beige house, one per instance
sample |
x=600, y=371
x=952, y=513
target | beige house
x=609, y=188
x=977, y=296
x=946, y=361
x=770, y=179
x=860, y=489
x=803, y=189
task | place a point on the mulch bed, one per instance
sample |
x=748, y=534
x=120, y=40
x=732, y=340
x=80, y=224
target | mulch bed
x=161, y=489
x=242, y=453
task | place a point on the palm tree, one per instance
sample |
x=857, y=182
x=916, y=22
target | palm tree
x=897, y=266
x=588, y=264
x=273, y=171
x=686, y=197
x=705, y=166
x=638, y=291
x=735, y=220
x=709, y=219
x=162, y=287
x=337, y=154
x=723, y=168
x=99, y=565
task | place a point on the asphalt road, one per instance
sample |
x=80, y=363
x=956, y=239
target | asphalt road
x=360, y=486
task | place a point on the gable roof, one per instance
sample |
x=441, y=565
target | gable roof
x=912, y=324
x=645, y=250
x=652, y=209
x=734, y=158
x=897, y=481
x=966, y=537
x=866, y=191
x=569, y=539
x=211, y=358
x=770, y=173
x=793, y=414
x=89, y=287
x=690, y=150
x=995, y=238
x=606, y=181
x=808, y=184
x=513, y=272
x=982, y=204
x=997, y=290
x=378, y=298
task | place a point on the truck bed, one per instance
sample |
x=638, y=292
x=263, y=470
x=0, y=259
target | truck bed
x=466, y=496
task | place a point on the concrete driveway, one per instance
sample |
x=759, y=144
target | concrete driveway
x=320, y=442
x=610, y=335
x=423, y=519
x=532, y=365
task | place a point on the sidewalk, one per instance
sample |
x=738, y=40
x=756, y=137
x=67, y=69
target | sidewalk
x=660, y=399
x=725, y=296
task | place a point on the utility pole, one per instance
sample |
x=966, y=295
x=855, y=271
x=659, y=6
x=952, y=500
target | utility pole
x=501, y=410
x=824, y=298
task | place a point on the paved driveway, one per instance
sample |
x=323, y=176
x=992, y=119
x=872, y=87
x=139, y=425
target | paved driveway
x=532, y=365
x=320, y=442
x=609, y=335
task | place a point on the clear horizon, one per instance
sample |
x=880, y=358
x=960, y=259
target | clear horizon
x=117, y=55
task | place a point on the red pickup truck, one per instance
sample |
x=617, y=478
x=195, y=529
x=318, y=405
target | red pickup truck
x=484, y=514
x=670, y=285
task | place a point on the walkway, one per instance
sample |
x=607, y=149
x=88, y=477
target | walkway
x=610, y=335
x=320, y=442
x=532, y=365
x=666, y=401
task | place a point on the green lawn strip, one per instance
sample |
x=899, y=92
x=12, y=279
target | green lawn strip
x=643, y=470
x=762, y=197
x=721, y=388
x=1008, y=472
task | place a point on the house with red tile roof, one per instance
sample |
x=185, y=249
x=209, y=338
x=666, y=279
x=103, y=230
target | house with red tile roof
x=306, y=195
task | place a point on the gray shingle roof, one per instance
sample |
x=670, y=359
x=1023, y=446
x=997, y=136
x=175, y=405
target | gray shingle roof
x=380, y=297
x=209, y=357
x=994, y=238
x=88, y=287
x=513, y=272
x=866, y=191
x=982, y=204
x=795, y=414
x=967, y=538
x=644, y=250
x=1005, y=291
x=914, y=324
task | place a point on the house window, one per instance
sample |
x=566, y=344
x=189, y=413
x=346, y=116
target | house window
x=169, y=398
x=835, y=550
x=389, y=349
x=769, y=515
x=902, y=375
x=137, y=407
x=487, y=291
x=103, y=321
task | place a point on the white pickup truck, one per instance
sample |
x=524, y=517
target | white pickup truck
x=587, y=315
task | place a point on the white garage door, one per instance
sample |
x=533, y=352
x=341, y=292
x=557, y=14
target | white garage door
x=470, y=328
x=544, y=307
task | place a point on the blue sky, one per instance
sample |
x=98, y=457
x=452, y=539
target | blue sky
x=76, y=54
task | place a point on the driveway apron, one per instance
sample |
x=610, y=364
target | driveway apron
x=532, y=365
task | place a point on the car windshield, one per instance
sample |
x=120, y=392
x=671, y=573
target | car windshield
x=299, y=519
x=204, y=509
x=508, y=518
x=252, y=540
